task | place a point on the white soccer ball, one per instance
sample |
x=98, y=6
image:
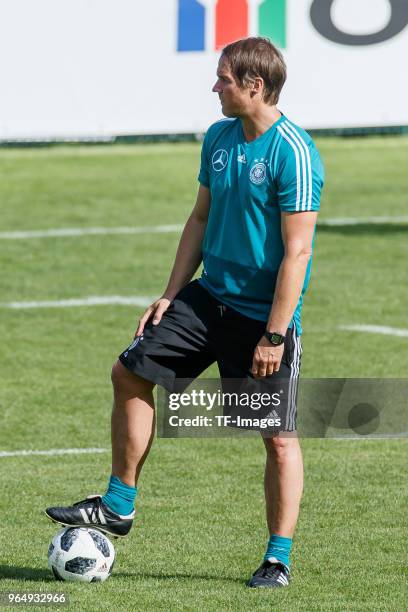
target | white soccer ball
x=80, y=554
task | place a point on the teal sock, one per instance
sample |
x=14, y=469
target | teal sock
x=120, y=497
x=279, y=548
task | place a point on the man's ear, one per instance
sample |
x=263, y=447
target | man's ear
x=257, y=86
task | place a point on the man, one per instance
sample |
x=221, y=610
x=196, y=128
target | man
x=253, y=227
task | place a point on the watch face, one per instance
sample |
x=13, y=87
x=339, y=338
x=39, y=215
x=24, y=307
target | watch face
x=275, y=338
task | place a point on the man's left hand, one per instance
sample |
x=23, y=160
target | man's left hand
x=267, y=358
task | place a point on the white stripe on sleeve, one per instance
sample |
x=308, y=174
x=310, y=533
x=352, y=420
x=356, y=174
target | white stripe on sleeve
x=298, y=176
x=294, y=138
x=300, y=141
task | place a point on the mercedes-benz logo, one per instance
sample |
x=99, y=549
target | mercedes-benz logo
x=220, y=160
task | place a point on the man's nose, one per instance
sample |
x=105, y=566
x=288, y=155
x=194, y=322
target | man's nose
x=216, y=87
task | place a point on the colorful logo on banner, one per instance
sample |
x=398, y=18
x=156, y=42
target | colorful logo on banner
x=206, y=25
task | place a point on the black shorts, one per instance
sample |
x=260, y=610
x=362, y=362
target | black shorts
x=196, y=331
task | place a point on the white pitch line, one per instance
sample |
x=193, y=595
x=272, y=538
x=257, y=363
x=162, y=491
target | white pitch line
x=343, y=221
x=373, y=436
x=376, y=329
x=54, y=451
x=89, y=231
x=116, y=300
x=168, y=229
x=91, y=451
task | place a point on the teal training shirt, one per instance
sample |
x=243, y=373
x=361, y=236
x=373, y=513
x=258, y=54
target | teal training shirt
x=250, y=184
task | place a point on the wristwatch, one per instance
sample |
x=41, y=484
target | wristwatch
x=274, y=338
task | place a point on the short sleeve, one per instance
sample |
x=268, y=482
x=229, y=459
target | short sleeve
x=300, y=177
x=204, y=174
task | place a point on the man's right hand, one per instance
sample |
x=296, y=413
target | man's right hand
x=155, y=310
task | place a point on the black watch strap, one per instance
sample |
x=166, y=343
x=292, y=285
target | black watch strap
x=274, y=338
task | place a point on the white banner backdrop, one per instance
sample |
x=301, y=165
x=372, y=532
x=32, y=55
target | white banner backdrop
x=97, y=68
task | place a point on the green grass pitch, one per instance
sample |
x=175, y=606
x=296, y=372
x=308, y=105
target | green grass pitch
x=200, y=529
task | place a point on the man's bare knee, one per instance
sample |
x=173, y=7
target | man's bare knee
x=126, y=382
x=280, y=445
